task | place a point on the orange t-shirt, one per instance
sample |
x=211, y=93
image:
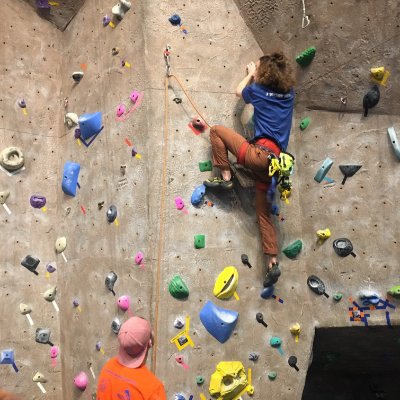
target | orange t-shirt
x=117, y=382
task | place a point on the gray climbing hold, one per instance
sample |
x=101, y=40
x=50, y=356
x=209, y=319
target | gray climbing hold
x=394, y=141
x=323, y=170
x=12, y=158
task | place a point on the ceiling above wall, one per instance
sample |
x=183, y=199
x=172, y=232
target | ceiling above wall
x=60, y=15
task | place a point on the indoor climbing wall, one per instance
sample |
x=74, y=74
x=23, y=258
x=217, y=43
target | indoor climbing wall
x=145, y=161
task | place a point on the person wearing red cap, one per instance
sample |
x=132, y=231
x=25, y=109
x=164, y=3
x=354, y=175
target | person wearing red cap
x=126, y=376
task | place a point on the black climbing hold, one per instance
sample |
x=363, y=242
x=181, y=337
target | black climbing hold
x=316, y=285
x=260, y=319
x=245, y=260
x=292, y=361
x=31, y=263
x=348, y=171
x=77, y=76
x=111, y=278
x=371, y=99
x=175, y=19
x=177, y=100
x=343, y=247
x=111, y=214
x=116, y=325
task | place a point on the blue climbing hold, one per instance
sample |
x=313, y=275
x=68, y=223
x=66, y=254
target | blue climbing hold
x=90, y=125
x=198, y=194
x=175, y=19
x=267, y=292
x=218, y=321
x=70, y=178
x=7, y=358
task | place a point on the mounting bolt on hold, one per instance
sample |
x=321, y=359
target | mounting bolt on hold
x=260, y=319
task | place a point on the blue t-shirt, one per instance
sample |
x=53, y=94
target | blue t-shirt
x=272, y=112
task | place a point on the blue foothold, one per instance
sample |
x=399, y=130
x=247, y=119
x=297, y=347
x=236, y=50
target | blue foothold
x=198, y=194
x=175, y=19
x=267, y=292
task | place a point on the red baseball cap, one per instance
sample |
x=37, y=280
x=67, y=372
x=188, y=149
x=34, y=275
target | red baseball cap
x=134, y=339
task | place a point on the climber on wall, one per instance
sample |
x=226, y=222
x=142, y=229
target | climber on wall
x=126, y=376
x=268, y=86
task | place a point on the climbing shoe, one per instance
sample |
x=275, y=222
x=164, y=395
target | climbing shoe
x=218, y=183
x=272, y=276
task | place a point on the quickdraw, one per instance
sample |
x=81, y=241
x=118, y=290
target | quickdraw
x=280, y=169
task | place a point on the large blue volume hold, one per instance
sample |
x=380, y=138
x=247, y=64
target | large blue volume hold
x=70, y=178
x=218, y=321
x=90, y=124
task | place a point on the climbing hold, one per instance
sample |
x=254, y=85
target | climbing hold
x=179, y=323
x=77, y=76
x=394, y=291
x=245, y=260
x=323, y=170
x=61, y=244
x=272, y=375
x=111, y=214
x=54, y=352
x=116, y=325
x=199, y=379
x=219, y=322
x=124, y=303
x=37, y=201
x=175, y=19
x=4, y=196
x=228, y=381
x=267, y=292
x=114, y=51
x=71, y=119
x=179, y=204
x=7, y=358
x=205, y=166
x=25, y=309
x=111, y=278
x=226, y=283
x=50, y=294
x=22, y=103
x=77, y=133
x=304, y=123
x=120, y=9
x=369, y=297
x=316, y=285
x=39, y=377
x=50, y=267
x=275, y=341
x=106, y=21
x=134, y=96
x=292, y=361
x=139, y=257
x=12, y=158
x=253, y=356
x=324, y=234
x=178, y=288
x=348, y=171
x=343, y=247
x=42, y=335
x=260, y=319
x=337, y=296
x=198, y=194
x=70, y=178
x=121, y=110
x=293, y=249
x=371, y=99
x=394, y=141
x=31, y=263
x=90, y=125
x=197, y=125
x=378, y=73
x=81, y=381
x=295, y=330
x=306, y=56
x=199, y=241
x=177, y=100
x=75, y=303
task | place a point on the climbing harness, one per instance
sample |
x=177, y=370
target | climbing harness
x=306, y=20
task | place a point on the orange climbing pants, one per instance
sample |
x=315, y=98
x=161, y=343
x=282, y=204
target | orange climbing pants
x=255, y=158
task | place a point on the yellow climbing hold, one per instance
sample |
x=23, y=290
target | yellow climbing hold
x=379, y=75
x=324, y=234
x=226, y=283
x=295, y=331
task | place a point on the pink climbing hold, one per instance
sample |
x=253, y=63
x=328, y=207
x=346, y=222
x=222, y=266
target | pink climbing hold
x=81, y=381
x=134, y=96
x=179, y=203
x=124, y=303
x=139, y=258
x=54, y=352
x=120, y=110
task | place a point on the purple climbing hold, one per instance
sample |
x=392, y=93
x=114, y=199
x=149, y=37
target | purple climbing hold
x=106, y=20
x=50, y=267
x=37, y=201
x=77, y=133
x=134, y=152
x=42, y=4
x=22, y=103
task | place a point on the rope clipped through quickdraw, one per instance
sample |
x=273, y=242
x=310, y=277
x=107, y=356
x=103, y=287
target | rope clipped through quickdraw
x=280, y=169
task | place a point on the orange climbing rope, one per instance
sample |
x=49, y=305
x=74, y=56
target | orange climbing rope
x=162, y=203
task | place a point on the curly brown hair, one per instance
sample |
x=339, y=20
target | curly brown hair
x=275, y=72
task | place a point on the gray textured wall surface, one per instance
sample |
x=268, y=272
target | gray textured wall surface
x=210, y=60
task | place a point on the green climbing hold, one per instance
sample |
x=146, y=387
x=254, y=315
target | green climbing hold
x=199, y=380
x=199, y=241
x=304, y=123
x=178, y=288
x=205, y=166
x=272, y=375
x=293, y=249
x=394, y=291
x=306, y=56
x=337, y=296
